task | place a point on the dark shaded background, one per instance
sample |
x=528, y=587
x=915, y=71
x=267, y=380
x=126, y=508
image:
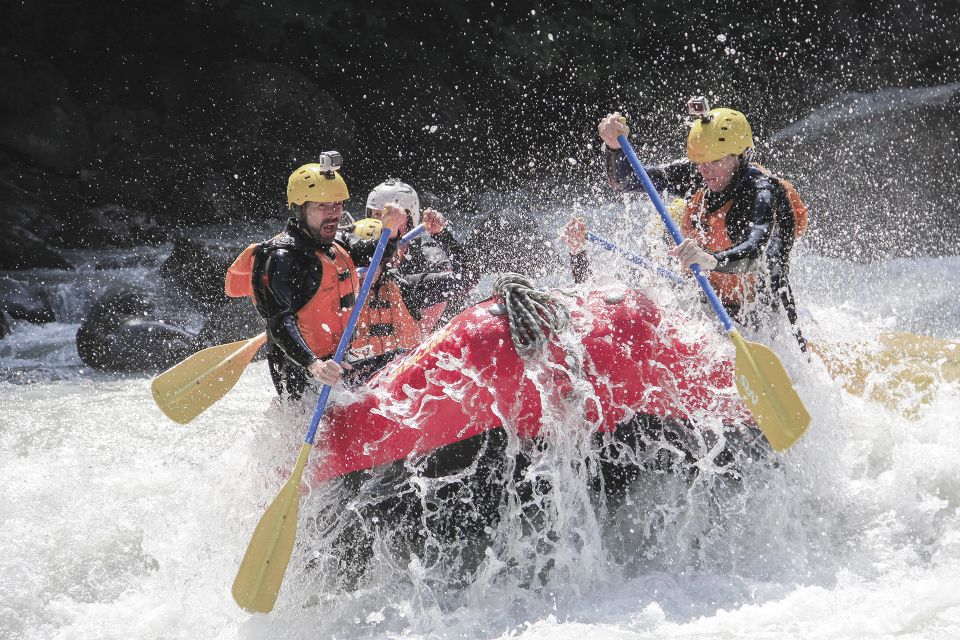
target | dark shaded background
x=122, y=121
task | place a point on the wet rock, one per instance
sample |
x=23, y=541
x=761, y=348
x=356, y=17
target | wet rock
x=254, y=103
x=24, y=301
x=20, y=249
x=267, y=120
x=198, y=268
x=4, y=325
x=119, y=131
x=29, y=222
x=122, y=334
x=52, y=195
x=28, y=211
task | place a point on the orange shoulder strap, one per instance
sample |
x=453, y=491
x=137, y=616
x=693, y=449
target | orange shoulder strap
x=801, y=216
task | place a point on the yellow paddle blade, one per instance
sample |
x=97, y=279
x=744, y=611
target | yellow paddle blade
x=768, y=392
x=899, y=370
x=189, y=388
x=261, y=572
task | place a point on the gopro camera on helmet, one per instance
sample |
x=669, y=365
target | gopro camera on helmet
x=698, y=107
x=330, y=161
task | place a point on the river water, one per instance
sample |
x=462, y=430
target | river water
x=117, y=523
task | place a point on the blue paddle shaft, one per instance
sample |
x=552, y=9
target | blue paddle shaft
x=348, y=332
x=673, y=229
x=414, y=233
x=407, y=237
x=634, y=258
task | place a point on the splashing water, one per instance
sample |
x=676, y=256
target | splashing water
x=117, y=523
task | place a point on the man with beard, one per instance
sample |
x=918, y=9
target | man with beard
x=304, y=280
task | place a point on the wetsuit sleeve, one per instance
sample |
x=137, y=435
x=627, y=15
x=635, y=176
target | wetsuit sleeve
x=778, y=265
x=425, y=289
x=743, y=256
x=282, y=272
x=451, y=246
x=676, y=178
x=422, y=290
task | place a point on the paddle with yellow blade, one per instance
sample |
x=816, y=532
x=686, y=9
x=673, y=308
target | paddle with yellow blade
x=899, y=370
x=763, y=383
x=265, y=562
x=189, y=388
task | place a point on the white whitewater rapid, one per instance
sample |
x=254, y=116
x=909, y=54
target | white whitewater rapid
x=117, y=523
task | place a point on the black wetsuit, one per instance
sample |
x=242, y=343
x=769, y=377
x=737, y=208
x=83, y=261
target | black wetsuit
x=433, y=271
x=286, y=275
x=760, y=223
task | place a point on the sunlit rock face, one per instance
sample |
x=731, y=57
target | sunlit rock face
x=879, y=172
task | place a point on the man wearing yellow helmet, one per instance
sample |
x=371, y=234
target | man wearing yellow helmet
x=739, y=222
x=303, y=280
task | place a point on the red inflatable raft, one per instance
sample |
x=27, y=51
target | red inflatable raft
x=468, y=379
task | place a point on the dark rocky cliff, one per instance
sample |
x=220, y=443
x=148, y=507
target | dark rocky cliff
x=194, y=111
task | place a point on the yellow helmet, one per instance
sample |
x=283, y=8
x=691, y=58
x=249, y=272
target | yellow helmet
x=315, y=183
x=723, y=132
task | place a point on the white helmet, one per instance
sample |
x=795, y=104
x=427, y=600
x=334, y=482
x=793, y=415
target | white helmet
x=399, y=193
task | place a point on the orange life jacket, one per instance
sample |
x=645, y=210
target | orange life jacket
x=734, y=288
x=801, y=215
x=321, y=320
x=385, y=323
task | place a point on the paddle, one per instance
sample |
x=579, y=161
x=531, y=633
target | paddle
x=762, y=381
x=265, y=562
x=911, y=363
x=407, y=237
x=189, y=388
x=899, y=370
x=192, y=386
x=640, y=261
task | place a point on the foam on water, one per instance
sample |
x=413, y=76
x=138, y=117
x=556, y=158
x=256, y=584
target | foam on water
x=117, y=523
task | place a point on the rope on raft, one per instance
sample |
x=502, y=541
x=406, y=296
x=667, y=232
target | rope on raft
x=534, y=315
